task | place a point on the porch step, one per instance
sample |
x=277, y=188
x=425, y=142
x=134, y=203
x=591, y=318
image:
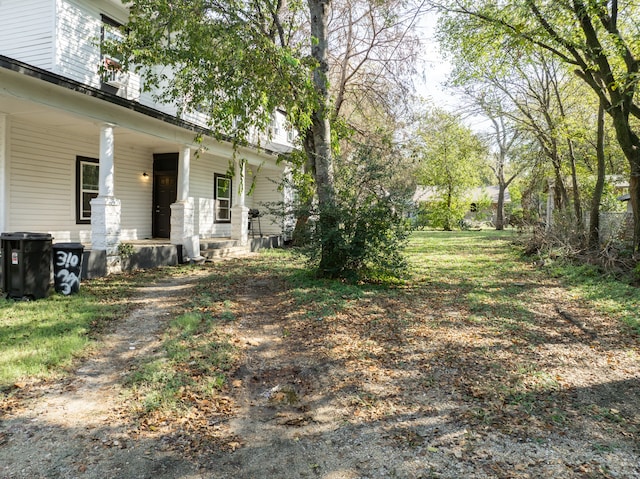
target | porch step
x=219, y=253
x=212, y=249
x=217, y=243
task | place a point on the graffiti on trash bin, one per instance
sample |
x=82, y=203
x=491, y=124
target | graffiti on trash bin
x=67, y=280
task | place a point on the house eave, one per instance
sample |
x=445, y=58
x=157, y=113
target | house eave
x=70, y=85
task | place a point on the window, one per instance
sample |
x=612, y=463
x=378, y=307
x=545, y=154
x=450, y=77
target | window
x=222, y=196
x=112, y=73
x=87, y=181
x=274, y=130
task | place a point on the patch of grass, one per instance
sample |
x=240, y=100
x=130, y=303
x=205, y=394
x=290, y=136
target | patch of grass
x=323, y=297
x=40, y=339
x=196, y=356
x=606, y=293
x=471, y=314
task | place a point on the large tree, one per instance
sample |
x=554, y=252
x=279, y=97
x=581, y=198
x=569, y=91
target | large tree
x=503, y=165
x=599, y=39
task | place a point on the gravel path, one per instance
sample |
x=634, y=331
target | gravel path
x=71, y=429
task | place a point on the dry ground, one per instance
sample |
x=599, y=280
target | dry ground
x=382, y=389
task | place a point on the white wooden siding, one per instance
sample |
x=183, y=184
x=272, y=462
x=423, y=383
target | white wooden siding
x=42, y=187
x=62, y=36
x=134, y=191
x=42, y=183
x=78, y=31
x=78, y=38
x=147, y=97
x=266, y=191
x=203, y=170
x=27, y=31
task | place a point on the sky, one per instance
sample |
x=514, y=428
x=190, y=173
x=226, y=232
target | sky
x=435, y=68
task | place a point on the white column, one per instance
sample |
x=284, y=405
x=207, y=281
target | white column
x=106, y=208
x=288, y=198
x=239, y=173
x=106, y=161
x=184, y=172
x=239, y=212
x=183, y=218
x=4, y=180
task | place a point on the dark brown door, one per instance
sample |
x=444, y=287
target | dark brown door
x=164, y=194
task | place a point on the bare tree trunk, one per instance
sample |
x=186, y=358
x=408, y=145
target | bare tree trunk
x=594, y=222
x=300, y=231
x=500, y=211
x=447, y=221
x=502, y=186
x=321, y=131
x=561, y=198
x=630, y=144
x=577, y=207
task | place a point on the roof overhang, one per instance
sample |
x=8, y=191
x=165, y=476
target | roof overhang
x=41, y=97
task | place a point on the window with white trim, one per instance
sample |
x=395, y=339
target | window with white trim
x=112, y=69
x=222, y=195
x=87, y=187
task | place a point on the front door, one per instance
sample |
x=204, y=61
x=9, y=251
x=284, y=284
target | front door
x=165, y=191
x=164, y=194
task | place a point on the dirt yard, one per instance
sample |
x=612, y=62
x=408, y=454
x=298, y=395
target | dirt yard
x=382, y=390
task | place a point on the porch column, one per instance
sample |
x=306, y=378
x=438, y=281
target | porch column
x=4, y=160
x=183, y=211
x=239, y=212
x=105, y=208
x=184, y=173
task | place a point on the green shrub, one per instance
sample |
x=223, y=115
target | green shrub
x=363, y=242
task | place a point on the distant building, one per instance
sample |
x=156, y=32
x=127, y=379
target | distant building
x=476, y=197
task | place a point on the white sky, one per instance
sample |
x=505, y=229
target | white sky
x=435, y=68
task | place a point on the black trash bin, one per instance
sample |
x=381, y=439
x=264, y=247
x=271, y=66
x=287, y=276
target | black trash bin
x=26, y=264
x=67, y=267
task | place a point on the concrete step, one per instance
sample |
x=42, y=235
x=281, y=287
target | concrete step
x=229, y=252
x=216, y=243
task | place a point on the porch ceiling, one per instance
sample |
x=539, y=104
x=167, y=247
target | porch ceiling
x=48, y=117
x=51, y=101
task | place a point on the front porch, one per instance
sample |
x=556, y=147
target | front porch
x=152, y=253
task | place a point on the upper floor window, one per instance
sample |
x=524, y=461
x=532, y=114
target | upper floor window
x=112, y=69
x=222, y=195
x=274, y=127
x=87, y=187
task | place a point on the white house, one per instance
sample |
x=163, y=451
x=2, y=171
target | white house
x=89, y=158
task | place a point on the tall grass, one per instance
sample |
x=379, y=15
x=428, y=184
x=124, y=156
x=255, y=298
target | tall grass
x=494, y=277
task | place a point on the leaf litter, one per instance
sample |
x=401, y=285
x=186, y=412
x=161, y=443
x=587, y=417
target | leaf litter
x=408, y=385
